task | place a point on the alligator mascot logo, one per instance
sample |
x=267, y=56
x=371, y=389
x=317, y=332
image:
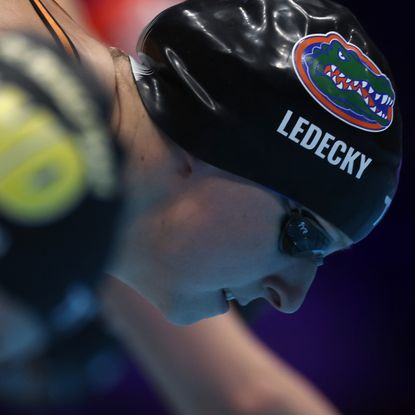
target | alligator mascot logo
x=344, y=81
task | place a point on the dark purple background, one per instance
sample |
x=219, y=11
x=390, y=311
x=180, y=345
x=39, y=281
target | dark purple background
x=352, y=335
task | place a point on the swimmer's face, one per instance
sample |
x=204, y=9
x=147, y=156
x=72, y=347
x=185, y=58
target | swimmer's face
x=221, y=232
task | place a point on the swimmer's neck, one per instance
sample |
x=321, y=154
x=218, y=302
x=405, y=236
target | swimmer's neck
x=157, y=168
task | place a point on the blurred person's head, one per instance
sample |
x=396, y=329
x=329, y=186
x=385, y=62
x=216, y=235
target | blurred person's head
x=60, y=191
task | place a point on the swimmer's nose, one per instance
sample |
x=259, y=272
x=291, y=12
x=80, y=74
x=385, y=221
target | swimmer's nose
x=287, y=290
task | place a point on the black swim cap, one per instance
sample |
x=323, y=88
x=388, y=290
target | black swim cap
x=291, y=94
x=60, y=191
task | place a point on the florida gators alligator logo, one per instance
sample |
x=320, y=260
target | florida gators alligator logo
x=344, y=81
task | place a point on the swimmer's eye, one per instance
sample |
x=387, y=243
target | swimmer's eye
x=302, y=236
x=341, y=56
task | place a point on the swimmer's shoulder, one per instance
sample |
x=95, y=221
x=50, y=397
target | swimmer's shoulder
x=21, y=15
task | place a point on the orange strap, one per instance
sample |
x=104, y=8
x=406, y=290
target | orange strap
x=61, y=38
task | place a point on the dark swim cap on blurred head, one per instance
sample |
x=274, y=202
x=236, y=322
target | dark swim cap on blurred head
x=292, y=95
x=59, y=180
